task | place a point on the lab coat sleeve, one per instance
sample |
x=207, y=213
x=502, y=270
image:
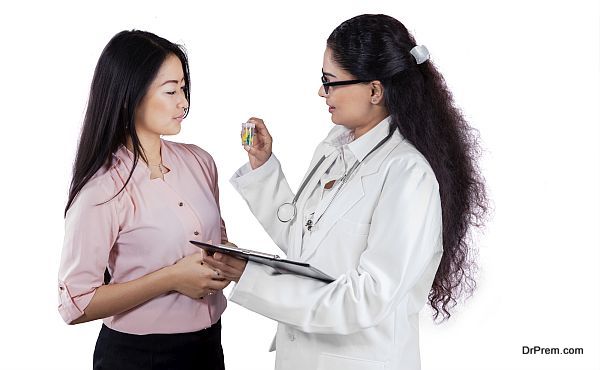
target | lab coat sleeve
x=268, y=187
x=400, y=261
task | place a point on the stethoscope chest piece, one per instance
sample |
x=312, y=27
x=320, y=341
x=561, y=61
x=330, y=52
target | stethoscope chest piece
x=286, y=212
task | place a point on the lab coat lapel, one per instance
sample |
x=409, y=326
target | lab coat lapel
x=349, y=195
x=330, y=155
x=347, y=198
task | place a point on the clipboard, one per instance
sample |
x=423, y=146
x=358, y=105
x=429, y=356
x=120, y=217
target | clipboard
x=281, y=265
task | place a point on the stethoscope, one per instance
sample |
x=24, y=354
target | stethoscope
x=287, y=211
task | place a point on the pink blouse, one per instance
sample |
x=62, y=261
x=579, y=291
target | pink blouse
x=145, y=228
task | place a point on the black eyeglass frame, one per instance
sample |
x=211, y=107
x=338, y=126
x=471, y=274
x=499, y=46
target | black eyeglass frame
x=327, y=85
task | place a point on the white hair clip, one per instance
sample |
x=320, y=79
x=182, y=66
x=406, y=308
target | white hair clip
x=420, y=53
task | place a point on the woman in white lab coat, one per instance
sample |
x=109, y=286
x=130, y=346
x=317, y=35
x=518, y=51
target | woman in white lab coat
x=385, y=209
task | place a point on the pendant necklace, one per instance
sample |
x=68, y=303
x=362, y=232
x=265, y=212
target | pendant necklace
x=160, y=166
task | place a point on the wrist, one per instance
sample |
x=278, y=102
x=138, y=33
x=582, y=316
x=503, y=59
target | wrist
x=259, y=162
x=170, y=277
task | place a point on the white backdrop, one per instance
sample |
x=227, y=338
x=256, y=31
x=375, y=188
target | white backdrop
x=525, y=73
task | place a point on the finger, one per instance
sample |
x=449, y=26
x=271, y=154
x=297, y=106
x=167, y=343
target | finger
x=258, y=141
x=217, y=285
x=223, y=270
x=231, y=278
x=228, y=272
x=215, y=264
x=230, y=244
x=215, y=272
x=232, y=275
x=225, y=259
x=217, y=275
x=255, y=120
x=255, y=152
x=262, y=132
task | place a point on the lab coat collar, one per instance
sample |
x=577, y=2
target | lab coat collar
x=360, y=147
x=354, y=189
x=364, y=144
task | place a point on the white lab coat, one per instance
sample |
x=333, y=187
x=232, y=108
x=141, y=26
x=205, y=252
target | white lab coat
x=381, y=240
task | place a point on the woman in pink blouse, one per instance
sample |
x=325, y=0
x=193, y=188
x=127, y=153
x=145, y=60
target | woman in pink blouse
x=134, y=203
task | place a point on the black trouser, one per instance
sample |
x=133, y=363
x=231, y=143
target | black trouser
x=200, y=350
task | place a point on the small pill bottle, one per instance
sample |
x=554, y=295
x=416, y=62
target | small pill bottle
x=248, y=133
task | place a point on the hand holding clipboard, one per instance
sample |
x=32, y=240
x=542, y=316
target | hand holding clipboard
x=281, y=265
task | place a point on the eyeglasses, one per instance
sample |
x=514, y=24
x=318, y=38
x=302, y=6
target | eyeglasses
x=327, y=84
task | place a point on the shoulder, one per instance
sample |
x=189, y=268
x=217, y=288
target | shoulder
x=405, y=162
x=99, y=190
x=188, y=149
x=192, y=152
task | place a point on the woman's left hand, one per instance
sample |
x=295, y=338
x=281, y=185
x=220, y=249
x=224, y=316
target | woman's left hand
x=228, y=267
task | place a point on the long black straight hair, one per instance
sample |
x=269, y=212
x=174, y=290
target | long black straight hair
x=377, y=47
x=126, y=68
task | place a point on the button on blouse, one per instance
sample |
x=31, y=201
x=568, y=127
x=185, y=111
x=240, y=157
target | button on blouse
x=144, y=228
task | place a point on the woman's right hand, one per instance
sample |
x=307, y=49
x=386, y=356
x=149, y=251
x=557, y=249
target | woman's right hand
x=262, y=145
x=195, y=279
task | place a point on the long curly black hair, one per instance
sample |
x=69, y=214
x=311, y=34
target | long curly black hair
x=377, y=47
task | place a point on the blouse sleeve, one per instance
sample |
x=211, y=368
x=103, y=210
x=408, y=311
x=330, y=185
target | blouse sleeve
x=91, y=229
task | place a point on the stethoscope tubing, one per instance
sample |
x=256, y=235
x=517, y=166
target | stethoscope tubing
x=311, y=174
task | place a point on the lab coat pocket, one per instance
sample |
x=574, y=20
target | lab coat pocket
x=353, y=227
x=333, y=362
